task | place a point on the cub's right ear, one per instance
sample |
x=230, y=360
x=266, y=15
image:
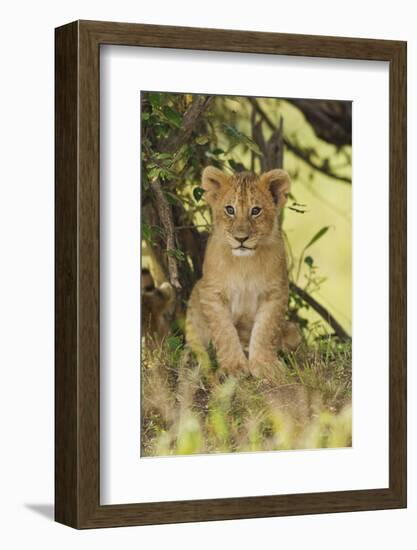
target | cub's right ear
x=212, y=181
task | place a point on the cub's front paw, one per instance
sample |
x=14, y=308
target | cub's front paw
x=235, y=365
x=267, y=367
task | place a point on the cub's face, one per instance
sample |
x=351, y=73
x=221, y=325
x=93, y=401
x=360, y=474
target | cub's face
x=245, y=207
x=155, y=303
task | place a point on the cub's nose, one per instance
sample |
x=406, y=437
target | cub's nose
x=242, y=239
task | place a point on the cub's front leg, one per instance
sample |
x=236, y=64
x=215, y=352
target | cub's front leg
x=266, y=339
x=224, y=336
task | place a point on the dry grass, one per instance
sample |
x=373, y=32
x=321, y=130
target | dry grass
x=187, y=410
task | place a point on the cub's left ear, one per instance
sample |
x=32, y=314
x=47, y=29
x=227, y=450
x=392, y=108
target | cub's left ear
x=278, y=183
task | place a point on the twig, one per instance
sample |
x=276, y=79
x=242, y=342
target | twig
x=322, y=311
x=306, y=158
x=178, y=227
x=253, y=122
x=298, y=152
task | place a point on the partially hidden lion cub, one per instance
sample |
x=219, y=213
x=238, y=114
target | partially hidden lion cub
x=156, y=302
x=241, y=300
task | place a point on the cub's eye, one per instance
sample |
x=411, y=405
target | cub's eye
x=256, y=211
x=229, y=210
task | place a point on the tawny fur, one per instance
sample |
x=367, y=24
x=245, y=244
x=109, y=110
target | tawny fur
x=241, y=301
x=156, y=302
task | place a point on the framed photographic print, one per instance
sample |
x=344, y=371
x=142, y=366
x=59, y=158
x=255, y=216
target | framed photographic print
x=230, y=274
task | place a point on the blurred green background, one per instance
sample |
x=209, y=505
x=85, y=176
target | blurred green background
x=328, y=204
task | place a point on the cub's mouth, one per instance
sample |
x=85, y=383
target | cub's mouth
x=243, y=251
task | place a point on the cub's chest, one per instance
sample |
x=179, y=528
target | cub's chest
x=243, y=299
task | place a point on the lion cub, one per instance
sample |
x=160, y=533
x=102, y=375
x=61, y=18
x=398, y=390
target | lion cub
x=156, y=301
x=241, y=300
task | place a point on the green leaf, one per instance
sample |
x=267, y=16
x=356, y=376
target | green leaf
x=236, y=166
x=217, y=163
x=239, y=137
x=162, y=156
x=309, y=261
x=153, y=173
x=252, y=146
x=198, y=192
x=161, y=130
x=296, y=210
x=150, y=231
x=202, y=140
x=176, y=253
x=166, y=174
x=232, y=132
x=145, y=116
x=217, y=152
x=233, y=165
x=318, y=236
x=155, y=99
x=173, y=116
x=146, y=232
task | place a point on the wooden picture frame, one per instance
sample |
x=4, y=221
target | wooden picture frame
x=77, y=373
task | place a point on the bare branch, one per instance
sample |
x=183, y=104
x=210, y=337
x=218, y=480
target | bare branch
x=165, y=216
x=331, y=120
x=322, y=311
x=296, y=150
